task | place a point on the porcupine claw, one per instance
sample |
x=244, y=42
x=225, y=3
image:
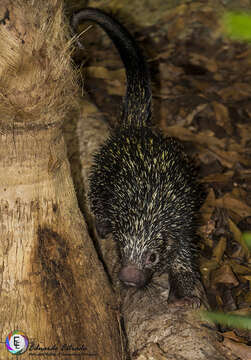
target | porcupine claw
x=192, y=302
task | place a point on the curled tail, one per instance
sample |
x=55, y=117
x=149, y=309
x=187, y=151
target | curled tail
x=137, y=103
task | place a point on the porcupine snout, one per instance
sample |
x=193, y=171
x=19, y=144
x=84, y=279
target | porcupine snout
x=132, y=276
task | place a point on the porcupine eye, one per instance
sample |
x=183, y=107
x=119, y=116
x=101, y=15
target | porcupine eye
x=152, y=258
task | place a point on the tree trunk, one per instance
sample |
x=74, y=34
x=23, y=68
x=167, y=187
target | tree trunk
x=52, y=284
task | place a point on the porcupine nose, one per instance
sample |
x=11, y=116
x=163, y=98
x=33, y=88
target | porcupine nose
x=132, y=276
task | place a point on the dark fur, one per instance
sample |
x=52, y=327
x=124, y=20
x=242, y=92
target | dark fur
x=142, y=185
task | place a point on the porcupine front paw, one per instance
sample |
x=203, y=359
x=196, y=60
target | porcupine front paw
x=103, y=227
x=183, y=285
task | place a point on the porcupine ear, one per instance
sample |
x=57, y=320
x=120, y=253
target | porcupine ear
x=137, y=102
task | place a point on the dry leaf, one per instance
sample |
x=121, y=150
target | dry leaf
x=236, y=205
x=209, y=63
x=239, y=269
x=206, y=267
x=245, y=131
x=248, y=297
x=235, y=92
x=101, y=72
x=238, y=236
x=195, y=112
x=219, y=249
x=224, y=275
x=218, y=178
x=245, y=311
x=208, y=206
x=204, y=137
x=229, y=158
x=222, y=117
x=231, y=335
x=243, y=351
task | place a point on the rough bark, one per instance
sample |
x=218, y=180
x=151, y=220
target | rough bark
x=52, y=284
x=154, y=329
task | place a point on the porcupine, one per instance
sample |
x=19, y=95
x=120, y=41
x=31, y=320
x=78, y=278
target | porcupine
x=142, y=185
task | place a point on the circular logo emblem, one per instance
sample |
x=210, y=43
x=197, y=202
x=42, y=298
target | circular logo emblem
x=16, y=342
